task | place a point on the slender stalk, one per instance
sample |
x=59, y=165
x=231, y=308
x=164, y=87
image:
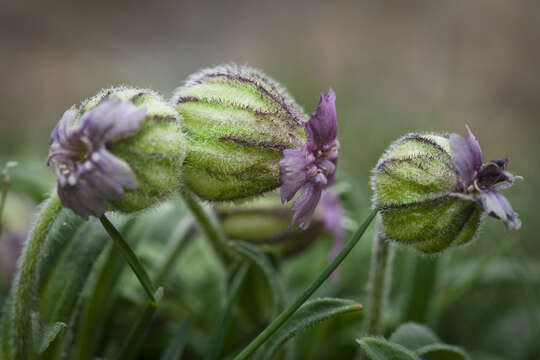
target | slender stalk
x=210, y=227
x=130, y=257
x=328, y=270
x=180, y=239
x=134, y=339
x=422, y=288
x=219, y=336
x=379, y=284
x=16, y=342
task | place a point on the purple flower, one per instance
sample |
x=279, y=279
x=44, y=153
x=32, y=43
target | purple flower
x=311, y=168
x=88, y=174
x=480, y=182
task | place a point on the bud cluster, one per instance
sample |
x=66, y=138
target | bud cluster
x=229, y=133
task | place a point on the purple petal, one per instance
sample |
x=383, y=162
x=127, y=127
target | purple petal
x=88, y=175
x=292, y=172
x=305, y=205
x=60, y=131
x=112, y=120
x=467, y=155
x=321, y=129
x=476, y=150
x=496, y=205
x=333, y=217
x=82, y=200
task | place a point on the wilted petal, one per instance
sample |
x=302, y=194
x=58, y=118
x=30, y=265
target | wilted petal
x=116, y=118
x=59, y=132
x=82, y=200
x=313, y=167
x=115, y=168
x=321, y=129
x=305, y=205
x=496, y=205
x=333, y=216
x=467, y=155
x=292, y=172
x=88, y=174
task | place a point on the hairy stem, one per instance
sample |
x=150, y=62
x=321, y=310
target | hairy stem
x=379, y=284
x=17, y=341
x=328, y=270
x=210, y=226
x=131, y=258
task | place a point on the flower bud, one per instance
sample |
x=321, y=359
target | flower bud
x=238, y=123
x=122, y=149
x=247, y=136
x=264, y=222
x=434, y=188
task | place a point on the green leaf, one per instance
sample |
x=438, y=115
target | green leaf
x=413, y=336
x=423, y=341
x=98, y=297
x=441, y=352
x=381, y=349
x=61, y=291
x=309, y=314
x=263, y=263
x=44, y=334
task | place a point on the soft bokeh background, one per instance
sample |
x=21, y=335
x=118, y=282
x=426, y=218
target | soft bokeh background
x=396, y=66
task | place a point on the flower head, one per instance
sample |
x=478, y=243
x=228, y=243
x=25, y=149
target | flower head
x=88, y=174
x=311, y=168
x=481, y=182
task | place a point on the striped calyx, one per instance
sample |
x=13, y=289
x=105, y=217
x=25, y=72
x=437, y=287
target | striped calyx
x=264, y=222
x=154, y=153
x=415, y=183
x=238, y=122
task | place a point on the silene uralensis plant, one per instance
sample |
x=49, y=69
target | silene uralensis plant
x=237, y=149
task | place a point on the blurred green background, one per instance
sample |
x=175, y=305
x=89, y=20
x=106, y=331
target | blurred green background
x=396, y=66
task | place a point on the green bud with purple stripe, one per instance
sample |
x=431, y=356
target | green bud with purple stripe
x=237, y=122
x=415, y=183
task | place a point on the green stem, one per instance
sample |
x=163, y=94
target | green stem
x=134, y=339
x=210, y=227
x=180, y=239
x=379, y=284
x=422, y=287
x=17, y=341
x=328, y=270
x=130, y=257
x=217, y=339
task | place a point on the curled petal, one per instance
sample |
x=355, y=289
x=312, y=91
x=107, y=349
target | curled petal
x=305, y=205
x=292, y=172
x=60, y=131
x=110, y=175
x=112, y=119
x=467, y=155
x=496, y=205
x=82, y=200
x=88, y=175
x=321, y=129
